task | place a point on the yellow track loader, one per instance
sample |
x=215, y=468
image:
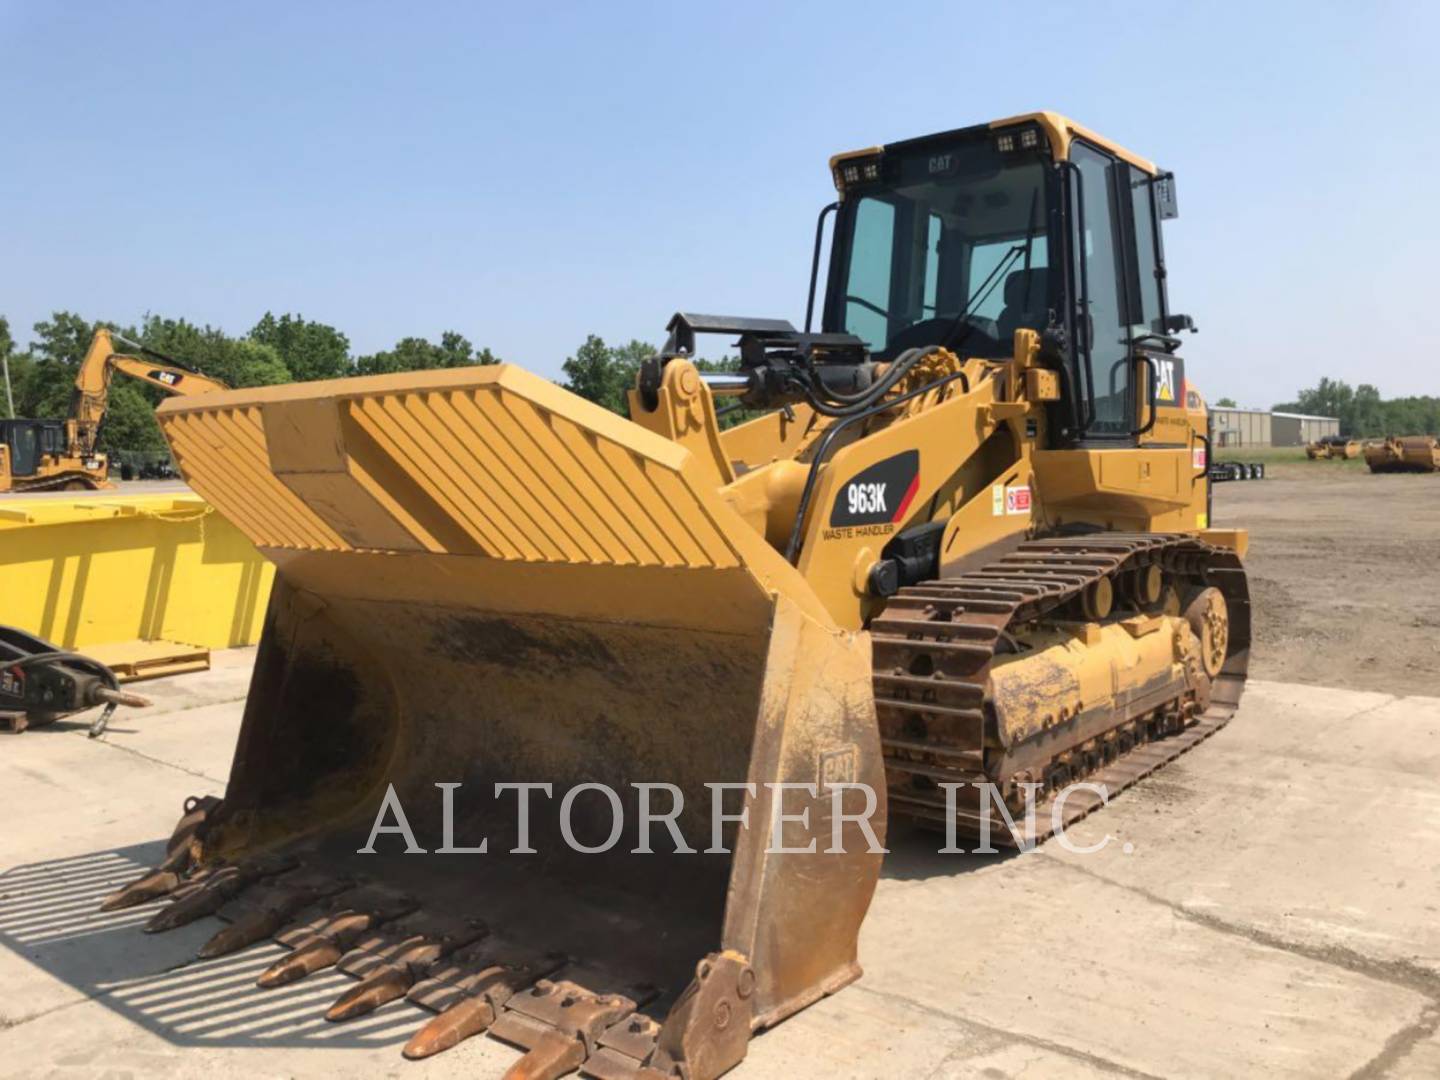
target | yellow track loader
x=47, y=455
x=646, y=692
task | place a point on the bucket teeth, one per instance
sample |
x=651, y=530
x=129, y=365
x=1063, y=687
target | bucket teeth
x=553, y=1055
x=389, y=971
x=384, y=985
x=149, y=886
x=179, y=857
x=242, y=933
x=320, y=944
x=270, y=912
x=210, y=896
x=197, y=810
x=195, y=904
x=315, y=955
x=495, y=974
x=467, y=1017
x=560, y=1024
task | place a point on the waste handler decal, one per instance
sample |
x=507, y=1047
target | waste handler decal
x=880, y=494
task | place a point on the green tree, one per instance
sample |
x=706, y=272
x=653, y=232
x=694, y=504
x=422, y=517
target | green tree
x=603, y=374
x=130, y=420
x=7, y=356
x=1367, y=412
x=421, y=354
x=55, y=353
x=1226, y=403
x=310, y=350
x=236, y=361
x=1332, y=397
x=1364, y=413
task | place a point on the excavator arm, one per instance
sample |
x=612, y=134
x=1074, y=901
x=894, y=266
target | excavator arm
x=92, y=385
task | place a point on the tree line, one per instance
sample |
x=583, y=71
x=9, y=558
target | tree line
x=1364, y=413
x=277, y=349
x=291, y=348
x=1361, y=410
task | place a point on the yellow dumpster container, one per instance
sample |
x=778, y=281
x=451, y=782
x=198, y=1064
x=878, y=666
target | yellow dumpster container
x=99, y=569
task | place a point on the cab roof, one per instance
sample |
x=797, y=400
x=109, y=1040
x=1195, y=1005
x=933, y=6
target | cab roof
x=1060, y=130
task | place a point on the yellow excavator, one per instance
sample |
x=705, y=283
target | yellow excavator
x=49, y=455
x=646, y=692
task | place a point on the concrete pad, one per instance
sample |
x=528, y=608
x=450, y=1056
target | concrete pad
x=1035, y=948
x=1413, y=1054
x=1275, y=915
x=1309, y=822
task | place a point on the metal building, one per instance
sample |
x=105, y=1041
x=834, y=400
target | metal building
x=1258, y=427
x=1297, y=429
x=1239, y=427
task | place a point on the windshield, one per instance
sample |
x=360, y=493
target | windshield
x=948, y=248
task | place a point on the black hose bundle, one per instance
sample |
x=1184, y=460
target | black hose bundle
x=836, y=403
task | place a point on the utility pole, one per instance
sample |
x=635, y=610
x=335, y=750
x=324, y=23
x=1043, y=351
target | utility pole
x=10, y=394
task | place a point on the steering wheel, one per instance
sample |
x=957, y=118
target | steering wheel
x=982, y=338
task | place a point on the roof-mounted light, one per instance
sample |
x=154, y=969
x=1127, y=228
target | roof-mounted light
x=1026, y=138
x=855, y=171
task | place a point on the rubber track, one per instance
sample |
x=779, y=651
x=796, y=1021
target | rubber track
x=54, y=483
x=933, y=648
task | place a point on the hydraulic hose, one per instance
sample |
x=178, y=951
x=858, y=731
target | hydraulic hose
x=834, y=403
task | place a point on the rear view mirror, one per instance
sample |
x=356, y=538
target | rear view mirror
x=1175, y=323
x=1165, y=202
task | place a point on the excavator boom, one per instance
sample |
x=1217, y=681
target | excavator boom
x=37, y=455
x=91, y=397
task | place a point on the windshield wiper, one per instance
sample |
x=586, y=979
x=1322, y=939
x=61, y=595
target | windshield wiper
x=979, y=297
x=988, y=285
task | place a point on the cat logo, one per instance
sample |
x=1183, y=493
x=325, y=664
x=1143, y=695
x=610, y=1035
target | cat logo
x=1164, y=379
x=940, y=163
x=169, y=378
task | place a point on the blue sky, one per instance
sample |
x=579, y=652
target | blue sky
x=527, y=174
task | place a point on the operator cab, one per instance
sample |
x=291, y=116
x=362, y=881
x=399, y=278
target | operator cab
x=29, y=441
x=960, y=239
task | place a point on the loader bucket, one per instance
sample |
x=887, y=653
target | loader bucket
x=481, y=580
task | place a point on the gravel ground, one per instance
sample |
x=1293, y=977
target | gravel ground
x=1344, y=574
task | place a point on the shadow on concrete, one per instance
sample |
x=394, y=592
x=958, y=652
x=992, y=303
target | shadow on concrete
x=49, y=916
x=915, y=855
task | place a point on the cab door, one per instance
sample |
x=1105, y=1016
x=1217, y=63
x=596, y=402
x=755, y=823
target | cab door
x=24, y=449
x=1126, y=374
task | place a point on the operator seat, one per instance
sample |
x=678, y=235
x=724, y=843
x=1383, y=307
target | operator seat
x=1026, y=293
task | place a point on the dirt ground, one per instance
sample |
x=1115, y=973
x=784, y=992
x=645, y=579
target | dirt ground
x=1344, y=573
